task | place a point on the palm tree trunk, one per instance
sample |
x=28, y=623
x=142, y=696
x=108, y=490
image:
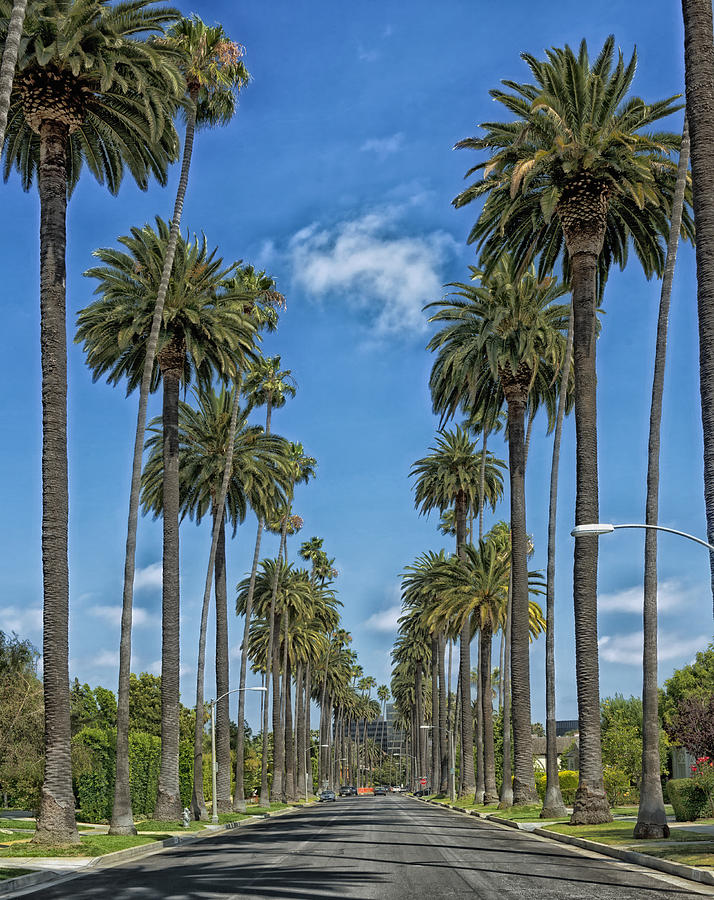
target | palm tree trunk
x=699, y=78
x=300, y=775
x=168, y=799
x=523, y=780
x=506, y=796
x=278, y=788
x=289, y=751
x=651, y=818
x=55, y=821
x=223, y=723
x=122, y=818
x=501, y=673
x=553, y=807
x=308, y=736
x=468, y=780
x=480, y=782
x=489, y=758
x=443, y=733
x=198, y=803
x=239, y=794
x=435, y=717
x=9, y=61
x=591, y=806
x=482, y=484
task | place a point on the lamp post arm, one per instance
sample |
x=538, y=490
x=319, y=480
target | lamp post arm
x=671, y=531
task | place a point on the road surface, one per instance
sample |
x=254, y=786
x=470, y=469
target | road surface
x=391, y=848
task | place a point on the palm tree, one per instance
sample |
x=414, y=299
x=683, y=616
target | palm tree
x=451, y=476
x=257, y=479
x=511, y=327
x=265, y=385
x=651, y=817
x=9, y=60
x=698, y=74
x=86, y=92
x=205, y=331
x=213, y=73
x=575, y=173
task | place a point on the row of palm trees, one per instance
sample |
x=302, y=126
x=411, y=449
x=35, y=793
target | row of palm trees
x=573, y=179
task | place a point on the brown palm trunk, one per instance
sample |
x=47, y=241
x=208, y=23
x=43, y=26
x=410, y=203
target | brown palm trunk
x=277, y=790
x=591, y=806
x=435, y=718
x=223, y=722
x=308, y=736
x=168, y=798
x=480, y=782
x=122, y=818
x=55, y=822
x=523, y=778
x=699, y=80
x=489, y=757
x=9, y=61
x=506, y=796
x=443, y=725
x=468, y=781
x=289, y=752
x=300, y=772
x=651, y=818
x=553, y=806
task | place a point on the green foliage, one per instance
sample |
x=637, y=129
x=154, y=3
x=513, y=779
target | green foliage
x=93, y=771
x=568, y=785
x=621, y=729
x=618, y=786
x=693, y=681
x=144, y=763
x=688, y=800
x=703, y=778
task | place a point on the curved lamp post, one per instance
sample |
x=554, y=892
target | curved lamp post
x=214, y=808
x=598, y=528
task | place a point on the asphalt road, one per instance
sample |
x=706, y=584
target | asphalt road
x=372, y=847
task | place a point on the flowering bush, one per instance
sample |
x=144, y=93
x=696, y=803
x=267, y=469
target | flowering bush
x=703, y=777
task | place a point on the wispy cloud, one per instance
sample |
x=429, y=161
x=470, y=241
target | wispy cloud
x=148, y=577
x=25, y=621
x=154, y=668
x=374, y=266
x=627, y=648
x=112, y=615
x=385, y=146
x=105, y=659
x=384, y=620
x=367, y=54
x=672, y=594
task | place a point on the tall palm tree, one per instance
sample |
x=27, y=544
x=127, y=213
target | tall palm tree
x=205, y=332
x=86, y=92
x=511, y=327
x=698, y=77
x=576, y=173
x=651, y=817
x=265, y=385
x=451, y=476
x=257, y=479
x=213, y=72
x=9, y=60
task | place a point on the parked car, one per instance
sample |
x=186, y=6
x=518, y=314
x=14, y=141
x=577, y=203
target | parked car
x=326, y=795
x=380, y=791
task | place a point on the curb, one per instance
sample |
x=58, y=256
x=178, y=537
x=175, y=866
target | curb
x=12, y=886
x=700, y=876
x=690, y=873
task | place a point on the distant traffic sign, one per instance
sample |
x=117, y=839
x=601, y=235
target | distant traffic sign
x=422, y=782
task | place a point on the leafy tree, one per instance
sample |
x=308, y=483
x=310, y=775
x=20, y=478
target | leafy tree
x=621, y=727
x=87, y=92
x=693, y=725
x=693, y=681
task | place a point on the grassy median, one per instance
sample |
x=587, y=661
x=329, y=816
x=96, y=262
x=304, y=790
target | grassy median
x=89, y=845
x=619, y=833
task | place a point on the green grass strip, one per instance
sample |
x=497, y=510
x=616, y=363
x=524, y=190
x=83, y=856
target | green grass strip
x=90, y=845
x=618, y=833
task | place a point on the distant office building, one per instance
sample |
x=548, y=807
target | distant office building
x=563, y=726
x=383, y=732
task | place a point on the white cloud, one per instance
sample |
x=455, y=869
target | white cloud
x=24, y=621
x=105, y=659
x=112, y=615
x=383, y=146
x=366, y=55
x=372, y=266
x=148, y=577
x=154, y=668
x=627, y=648
x=384, y=619
x=671, y=594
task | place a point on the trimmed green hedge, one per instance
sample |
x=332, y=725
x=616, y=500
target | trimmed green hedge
x=688, y=800
x=568, y=785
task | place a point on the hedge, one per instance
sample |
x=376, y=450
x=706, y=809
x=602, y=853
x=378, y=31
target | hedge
x=568, y=785
x=688, y=800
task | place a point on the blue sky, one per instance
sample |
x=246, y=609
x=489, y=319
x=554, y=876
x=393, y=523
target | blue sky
x=336, y=176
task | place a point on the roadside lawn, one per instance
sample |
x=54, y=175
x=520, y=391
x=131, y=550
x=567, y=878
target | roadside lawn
x=621, y=833
x=90, y=845
x=13, y=873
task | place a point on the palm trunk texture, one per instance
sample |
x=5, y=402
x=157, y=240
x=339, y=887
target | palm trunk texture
x=699, y=81
x=223, y=722
x=468, y=781
x=55, y=821
x=506, y=796
x=122, y=821
x=553, y=806
x=9, y=61
x=651, y=817
x=489, y=756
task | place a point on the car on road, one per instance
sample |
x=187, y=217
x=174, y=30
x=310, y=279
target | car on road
x=326, y=795
x=380, y=791
x=346, y=791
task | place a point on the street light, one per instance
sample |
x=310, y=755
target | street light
x=452, y=763
x=214, y=807
x=595, y=529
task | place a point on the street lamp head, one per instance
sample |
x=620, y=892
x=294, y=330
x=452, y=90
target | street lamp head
x=256, y=689
x=592, y=529
x=426, y=726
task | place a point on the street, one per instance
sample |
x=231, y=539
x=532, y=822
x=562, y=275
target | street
x=372, y=847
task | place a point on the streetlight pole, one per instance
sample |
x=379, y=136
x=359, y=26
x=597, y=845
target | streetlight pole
x=214, y=808
x=598, y=528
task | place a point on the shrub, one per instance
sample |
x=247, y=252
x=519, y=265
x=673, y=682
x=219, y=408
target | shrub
x=703, y=778
x=688, y=799
x=93, y=770
x=568, y=785
x=618, y=786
